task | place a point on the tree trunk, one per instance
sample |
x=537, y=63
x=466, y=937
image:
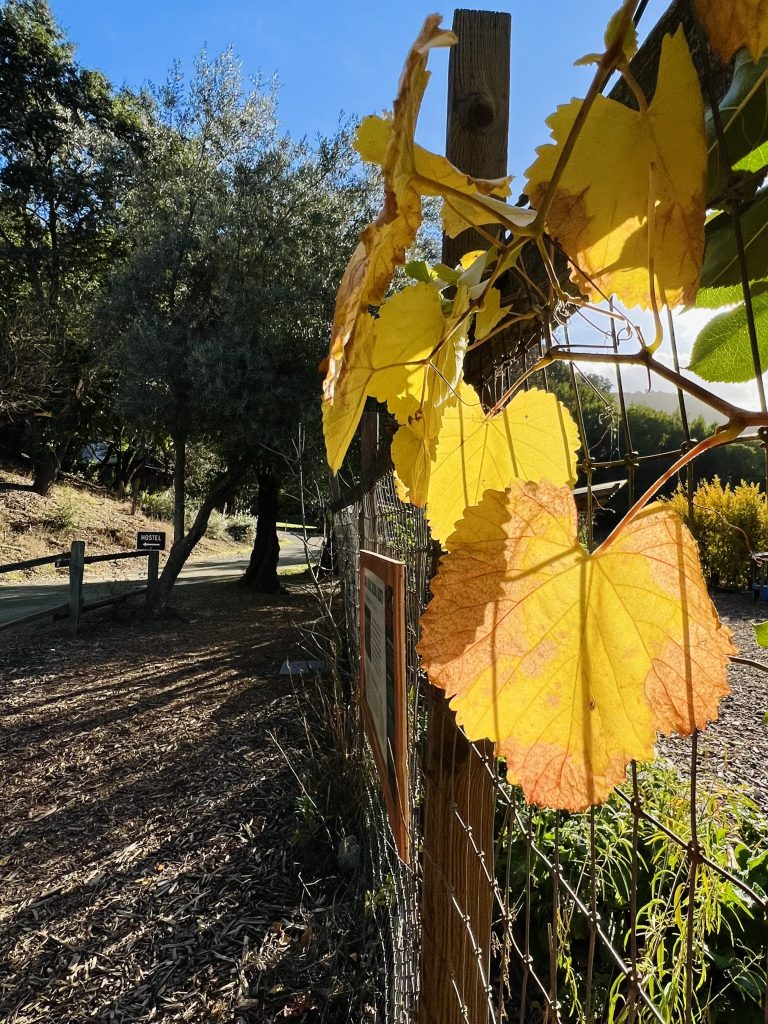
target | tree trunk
x=183, y=548
x=44, y=471
x=179, y=480
x=261, y=573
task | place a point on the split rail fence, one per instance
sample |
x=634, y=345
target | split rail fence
x=507, y=912
x=75, y=560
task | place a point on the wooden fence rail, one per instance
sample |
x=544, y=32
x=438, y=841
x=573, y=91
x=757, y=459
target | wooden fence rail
x=76, y=560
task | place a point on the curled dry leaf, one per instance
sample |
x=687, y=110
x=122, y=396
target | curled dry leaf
x=627, y=168
x=730, y=26
x=572, y=662
x=382, y=245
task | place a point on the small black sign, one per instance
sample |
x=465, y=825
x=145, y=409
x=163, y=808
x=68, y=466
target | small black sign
x=149, y=540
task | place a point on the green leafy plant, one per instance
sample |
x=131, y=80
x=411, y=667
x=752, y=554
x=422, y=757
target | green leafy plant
x=728, y=524
x=728, y=957
x=62, y=515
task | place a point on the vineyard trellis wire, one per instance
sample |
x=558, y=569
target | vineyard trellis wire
x=523, y=979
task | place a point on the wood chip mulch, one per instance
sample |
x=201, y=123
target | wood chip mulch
x=160, y=859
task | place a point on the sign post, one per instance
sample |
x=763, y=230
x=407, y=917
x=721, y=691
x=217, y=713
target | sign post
x=382, y=678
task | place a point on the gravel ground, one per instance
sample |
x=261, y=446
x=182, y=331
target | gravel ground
x=735, y=747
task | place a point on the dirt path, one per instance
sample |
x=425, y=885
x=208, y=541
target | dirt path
x=159, y=860
x=19, y=599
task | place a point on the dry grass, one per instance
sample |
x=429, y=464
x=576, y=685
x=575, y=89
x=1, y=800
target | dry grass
x=32, y=526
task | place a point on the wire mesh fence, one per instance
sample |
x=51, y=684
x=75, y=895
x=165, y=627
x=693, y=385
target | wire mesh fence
x=617, y=914
x=652, y=907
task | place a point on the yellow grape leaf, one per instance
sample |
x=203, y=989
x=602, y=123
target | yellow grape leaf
x=572, y=662
x=534, y=436
x=383, y=243
x=733, y=25
x=384, y=362
x=490, y=315
x=419, y=395
x=413, y=453
x=624, y=163
x=467, y=201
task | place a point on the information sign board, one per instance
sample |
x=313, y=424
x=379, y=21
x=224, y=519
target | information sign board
x=382, y=679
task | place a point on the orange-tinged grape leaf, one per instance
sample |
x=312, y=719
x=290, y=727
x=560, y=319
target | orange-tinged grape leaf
x=532, y=437
x=383, y=243
x=624, y=163
x=733, y=25
x=572, y=662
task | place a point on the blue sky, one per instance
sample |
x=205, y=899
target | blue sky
x=340, y=56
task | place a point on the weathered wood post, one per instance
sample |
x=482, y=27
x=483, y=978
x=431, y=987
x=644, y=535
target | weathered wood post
x=76, y=568
x=153, y=569
x=457, y=900
x=369, y=462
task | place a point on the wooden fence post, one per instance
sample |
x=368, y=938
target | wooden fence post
x=76, y=567
x=369, y=460
x=153, y=568
x=459, y=792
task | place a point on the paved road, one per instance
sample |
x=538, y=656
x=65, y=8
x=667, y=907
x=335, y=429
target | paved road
x=25, y=598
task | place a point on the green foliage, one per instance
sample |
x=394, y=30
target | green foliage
x=744, y=115
x=62, y=516
x=157, y=504
x=727, y=928
x=240, y=529
x=728, y=524
x=65, y=147
x=722, y=350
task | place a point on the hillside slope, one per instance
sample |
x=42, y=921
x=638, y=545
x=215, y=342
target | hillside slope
x=32, y=526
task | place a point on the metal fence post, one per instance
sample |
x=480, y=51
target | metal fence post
x=457, y=899
x=76, y=567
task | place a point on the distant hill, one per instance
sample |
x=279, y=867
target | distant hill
x=666, y=401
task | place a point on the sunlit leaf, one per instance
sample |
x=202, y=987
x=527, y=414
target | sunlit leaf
x=490, y=315
x=409, y=357
x=467, y=201
x=722, y=351
x=383, y=244
x=761, y=633
x=623, y=160
x=534, y=436
x=572, y=662
x=733, y=25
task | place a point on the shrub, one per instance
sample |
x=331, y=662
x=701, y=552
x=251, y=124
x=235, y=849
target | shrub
x=217, y=525
x=240, y=529
x=157, y=504
x=62, y=515
x=728, y=524
x=728, y=936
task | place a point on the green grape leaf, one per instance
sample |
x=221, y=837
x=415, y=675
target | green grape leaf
x=744, y=116
x=730, y=295
x=755, y=160
x=761, y=633
x=722, y=351
x=721, y=260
